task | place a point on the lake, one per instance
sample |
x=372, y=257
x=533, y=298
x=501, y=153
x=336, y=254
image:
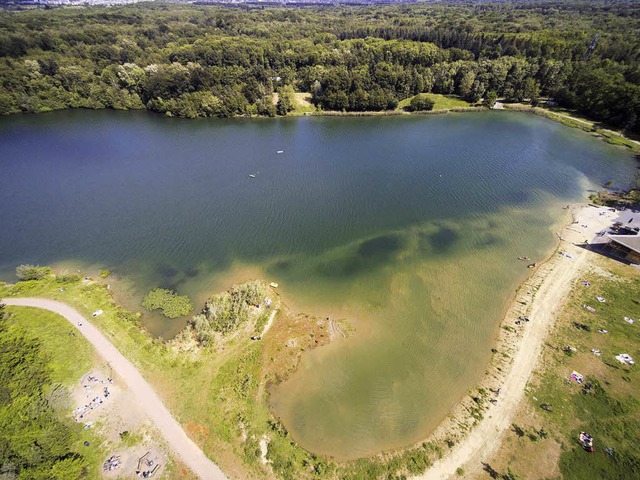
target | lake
x=408, y=227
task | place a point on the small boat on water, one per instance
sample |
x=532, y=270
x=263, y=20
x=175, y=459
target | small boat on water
x=280, y=151
x=252, y=176
x=524, y=258
x=531, y=265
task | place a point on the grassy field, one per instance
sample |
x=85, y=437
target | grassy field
x=442, y=102
x=213, y=396
x=302, y=104
x=68, y=357
x=543, y=442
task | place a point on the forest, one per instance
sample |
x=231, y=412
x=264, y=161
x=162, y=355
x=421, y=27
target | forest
x=36, y=441
x=222, y=60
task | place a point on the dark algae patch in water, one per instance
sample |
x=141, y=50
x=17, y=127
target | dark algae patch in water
x=367, y=257
x=443, y=240
x=381, y=248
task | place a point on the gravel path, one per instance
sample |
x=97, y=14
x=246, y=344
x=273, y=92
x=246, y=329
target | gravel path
x=180, y=443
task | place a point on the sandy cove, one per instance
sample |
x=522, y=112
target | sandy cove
x=517, y=350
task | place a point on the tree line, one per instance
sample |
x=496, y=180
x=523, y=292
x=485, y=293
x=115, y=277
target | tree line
x=202, y=61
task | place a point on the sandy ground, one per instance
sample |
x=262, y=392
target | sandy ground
x=184, y=448
x=104, y=403
x=555, y=277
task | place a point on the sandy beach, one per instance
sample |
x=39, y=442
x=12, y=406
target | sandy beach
x=538, y=299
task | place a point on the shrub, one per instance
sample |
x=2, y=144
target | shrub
x=171, y=304
x=129, y=317
x=490, y=99
x=421, y=103
x=32, y=272
x=68, y=278
x=225, y=312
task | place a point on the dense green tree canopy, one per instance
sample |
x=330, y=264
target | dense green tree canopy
x=36, y=441
x=192, y=61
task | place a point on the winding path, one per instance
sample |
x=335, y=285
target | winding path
x=173, y=433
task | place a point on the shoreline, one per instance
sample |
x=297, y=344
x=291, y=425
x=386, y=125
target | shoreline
x=463, y=432
x=475, y=426
x=612, y=137
x=386, y=113
x=591, y=127
x=474, y=407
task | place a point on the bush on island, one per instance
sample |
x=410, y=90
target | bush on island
x=421, y=103
x=171, y=304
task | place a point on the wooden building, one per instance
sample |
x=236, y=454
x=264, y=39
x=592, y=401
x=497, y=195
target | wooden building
x=625, y=247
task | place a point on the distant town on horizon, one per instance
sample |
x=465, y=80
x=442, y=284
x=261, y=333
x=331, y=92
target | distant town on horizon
x=206, y=2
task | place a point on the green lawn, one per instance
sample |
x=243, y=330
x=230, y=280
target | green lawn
x=302, y=104
x=70, y=356
x=610, y=410
x=61, y=359
x=442, y=102
x=606, y=405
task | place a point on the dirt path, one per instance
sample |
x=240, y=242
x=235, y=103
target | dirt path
x=173, y=433
x=552, y=113
x=555, y=278
x=269, y=323
x=590, y=123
